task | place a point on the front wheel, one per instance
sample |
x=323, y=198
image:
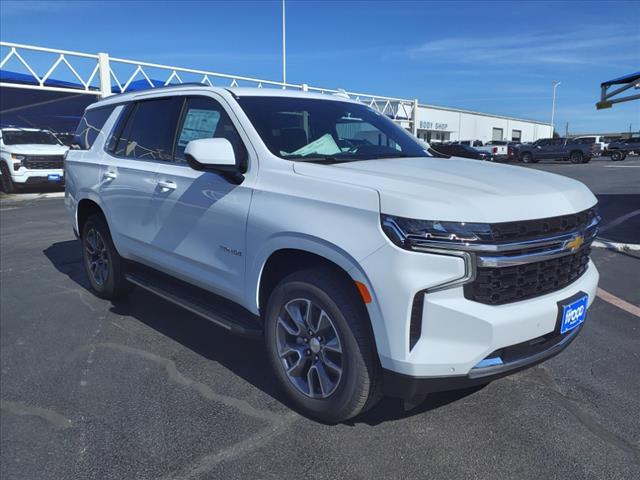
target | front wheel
x=320, y=345
x=7, y=182
x=104, y=267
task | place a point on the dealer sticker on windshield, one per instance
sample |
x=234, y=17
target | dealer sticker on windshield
x=573, y=313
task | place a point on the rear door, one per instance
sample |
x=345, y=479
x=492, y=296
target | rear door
x=551, y=149
x=142, y=140
x=201, y=215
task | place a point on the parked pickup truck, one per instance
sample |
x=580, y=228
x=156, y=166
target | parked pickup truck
x=619, y=150
x=554, y=149
x=498, y=149
x=29, y=156
x=314, y=222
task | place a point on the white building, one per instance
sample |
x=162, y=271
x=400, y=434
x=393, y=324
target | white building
x=440, y=124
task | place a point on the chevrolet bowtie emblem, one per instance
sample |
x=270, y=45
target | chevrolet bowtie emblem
x=574, y=244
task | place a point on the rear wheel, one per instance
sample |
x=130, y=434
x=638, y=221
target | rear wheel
x=7, y=182
x=576, y=157
x=616, y=156
x=320, y=345
x=104, y=267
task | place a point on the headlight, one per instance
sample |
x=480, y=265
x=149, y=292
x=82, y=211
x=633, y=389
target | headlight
x=409, y=233
x=15, y=156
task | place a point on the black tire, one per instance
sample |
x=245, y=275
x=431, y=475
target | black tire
x=616, y=156
x=105, y=259
x=527, y=157
x=576, y=157
x=586, y=159
x=7, y=182
x=358, y=387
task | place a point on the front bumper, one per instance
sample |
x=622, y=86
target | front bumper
x=531, y=353
x=455, y=333
x=37, y=177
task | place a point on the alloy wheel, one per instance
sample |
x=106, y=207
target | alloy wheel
x=309, y=348
x=97, y=257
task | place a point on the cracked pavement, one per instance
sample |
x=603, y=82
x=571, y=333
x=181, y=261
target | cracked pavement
x=141, y=389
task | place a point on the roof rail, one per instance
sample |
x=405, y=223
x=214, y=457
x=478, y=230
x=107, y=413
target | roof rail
x=163, y=87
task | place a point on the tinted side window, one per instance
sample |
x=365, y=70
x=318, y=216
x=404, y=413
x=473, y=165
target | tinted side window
x=203, y=117
x=150, y=130
x=90, y=125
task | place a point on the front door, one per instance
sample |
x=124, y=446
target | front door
x=201, y=215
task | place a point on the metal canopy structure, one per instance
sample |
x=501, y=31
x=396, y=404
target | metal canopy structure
x=608, y=96
x=100, y=75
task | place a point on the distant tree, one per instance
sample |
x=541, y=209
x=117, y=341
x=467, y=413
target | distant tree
x=556, y=134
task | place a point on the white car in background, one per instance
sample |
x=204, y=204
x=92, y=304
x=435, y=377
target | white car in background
x=30, y=156
x=498, y=149
x=597, y=140
x=366, y=265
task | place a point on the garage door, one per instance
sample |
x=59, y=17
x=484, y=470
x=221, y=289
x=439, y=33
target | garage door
x=497, y=134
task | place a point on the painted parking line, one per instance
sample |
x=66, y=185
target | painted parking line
x=618, y=302
x=30, y=196
x=617, y=246
x=622, y=166
x=621, y=219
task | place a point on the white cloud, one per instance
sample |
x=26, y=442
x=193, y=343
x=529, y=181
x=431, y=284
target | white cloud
x=602, y=46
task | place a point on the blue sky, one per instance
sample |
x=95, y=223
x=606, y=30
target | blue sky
x=497, y=57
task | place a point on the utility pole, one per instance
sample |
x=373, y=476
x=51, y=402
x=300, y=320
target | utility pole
x=555, y=84
x=566, y=129
x=284, y=46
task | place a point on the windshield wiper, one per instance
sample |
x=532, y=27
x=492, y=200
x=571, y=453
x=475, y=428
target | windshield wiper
x=375, y=156
x=318, y=159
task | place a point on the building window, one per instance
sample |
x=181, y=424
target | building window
x=497, y=134
x=516, y=135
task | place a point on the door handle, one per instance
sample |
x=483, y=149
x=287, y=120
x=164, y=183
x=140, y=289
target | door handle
x=109, y=176
x=167, y=185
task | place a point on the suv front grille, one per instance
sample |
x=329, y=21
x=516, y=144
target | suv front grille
x=545, y=227
x=497, y=286
x=43, y=162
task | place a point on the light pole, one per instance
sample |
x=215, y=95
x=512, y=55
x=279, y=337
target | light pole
x=284, y=47
x=555, y=84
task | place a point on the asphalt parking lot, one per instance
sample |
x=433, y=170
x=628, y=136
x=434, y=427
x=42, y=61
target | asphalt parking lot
x=141, y=389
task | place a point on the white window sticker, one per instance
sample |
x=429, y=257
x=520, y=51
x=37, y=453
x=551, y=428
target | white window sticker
x=198, y=124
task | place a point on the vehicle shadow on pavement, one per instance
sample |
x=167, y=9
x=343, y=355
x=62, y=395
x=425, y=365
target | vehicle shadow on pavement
x=244, y=357
x=390, y=409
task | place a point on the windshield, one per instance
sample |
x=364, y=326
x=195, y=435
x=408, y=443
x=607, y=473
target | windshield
x=28, y=137
x=307, y=129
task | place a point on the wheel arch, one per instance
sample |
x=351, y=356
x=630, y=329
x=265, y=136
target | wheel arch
x=285, y=254
x=288, y=253
x=87, y=207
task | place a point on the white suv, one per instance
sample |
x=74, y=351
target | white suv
x=29, y=156
x=367, y=265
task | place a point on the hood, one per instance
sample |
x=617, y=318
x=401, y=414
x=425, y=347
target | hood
x=457, y=189
x=37, y=149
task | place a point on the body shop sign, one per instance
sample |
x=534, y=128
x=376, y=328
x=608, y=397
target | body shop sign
x=432, y=125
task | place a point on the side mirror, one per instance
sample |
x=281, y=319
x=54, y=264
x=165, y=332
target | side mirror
x=214, y=155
